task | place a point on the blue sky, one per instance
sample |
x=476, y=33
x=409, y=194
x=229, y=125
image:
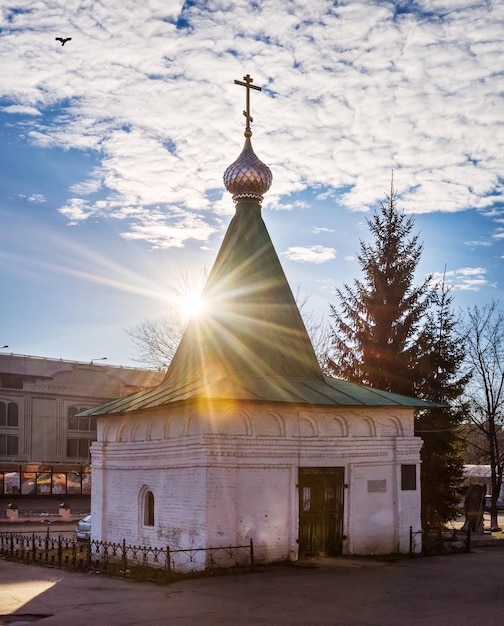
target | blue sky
x=113, y=148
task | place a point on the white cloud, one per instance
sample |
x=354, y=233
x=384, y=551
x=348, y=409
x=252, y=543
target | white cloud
x=37, y=198
x=21, y=110
x=475, y=243
x=76, y=210
x=91, y=185
x=351, y=91
x=470, y=271
x=319, y=229
x=164, y=235
x=463, y=279
x=310, y=254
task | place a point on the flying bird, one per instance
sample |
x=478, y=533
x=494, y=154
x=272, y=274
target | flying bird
x=63, y=41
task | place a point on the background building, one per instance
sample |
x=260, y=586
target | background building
x=44, y=446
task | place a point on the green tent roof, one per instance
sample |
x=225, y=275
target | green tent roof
x=252, y=326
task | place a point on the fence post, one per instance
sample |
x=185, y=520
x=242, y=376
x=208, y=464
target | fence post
x=251, y=555
x=60, y=552
x=411, y=540
x=47, y=544
x=34, y=549
x=124, y=559
x=168, y=562
x=88, y=546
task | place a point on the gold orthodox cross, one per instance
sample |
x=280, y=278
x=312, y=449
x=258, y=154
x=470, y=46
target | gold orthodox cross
x=248, y=85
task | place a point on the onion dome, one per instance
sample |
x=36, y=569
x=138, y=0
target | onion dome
x=248, y=177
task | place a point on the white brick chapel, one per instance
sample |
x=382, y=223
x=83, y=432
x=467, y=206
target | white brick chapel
x=246, y=438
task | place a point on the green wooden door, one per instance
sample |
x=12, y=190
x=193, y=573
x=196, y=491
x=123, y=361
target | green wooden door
x=321, y=497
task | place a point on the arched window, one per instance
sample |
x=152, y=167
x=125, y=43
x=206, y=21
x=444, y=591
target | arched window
x=149, y=509
x=73, y=422
x=87, y=424
x=9, y=414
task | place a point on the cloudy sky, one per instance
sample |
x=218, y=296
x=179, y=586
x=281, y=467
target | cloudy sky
x=113, y=147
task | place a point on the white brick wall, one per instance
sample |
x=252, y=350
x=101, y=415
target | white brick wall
x=232, y=478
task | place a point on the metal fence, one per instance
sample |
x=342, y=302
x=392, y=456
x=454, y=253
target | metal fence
x=439, y=541
x=122, y=560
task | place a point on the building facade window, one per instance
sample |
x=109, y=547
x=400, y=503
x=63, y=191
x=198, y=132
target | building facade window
x=77, y=445
x=11, y=482
x=78, y=448
x=83, y=424
x=149, y=509
x=9, y=440
x=11, y=381
x=8, y=445
x=408, y=477
x=34, y=480
x=9, y=414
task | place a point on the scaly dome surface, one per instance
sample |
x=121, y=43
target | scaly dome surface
x=248, y=177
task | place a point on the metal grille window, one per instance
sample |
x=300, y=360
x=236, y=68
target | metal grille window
x=306, y=495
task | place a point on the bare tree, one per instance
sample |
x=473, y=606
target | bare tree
x=156, y=339
x=317, y=326
x=483, y=332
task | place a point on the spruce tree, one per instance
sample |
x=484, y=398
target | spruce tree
x=441, y=359
x=377, y=325
x=394, y=335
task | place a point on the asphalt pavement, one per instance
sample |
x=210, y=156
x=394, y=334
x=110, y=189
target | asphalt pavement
x=421, y=591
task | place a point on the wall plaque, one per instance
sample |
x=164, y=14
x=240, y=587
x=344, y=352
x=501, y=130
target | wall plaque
x=376, y=486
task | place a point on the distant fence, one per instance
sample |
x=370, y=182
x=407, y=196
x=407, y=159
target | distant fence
x=439, y=541
x=122, y=560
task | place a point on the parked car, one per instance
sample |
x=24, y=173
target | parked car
x=83, y=530
x=488, y=503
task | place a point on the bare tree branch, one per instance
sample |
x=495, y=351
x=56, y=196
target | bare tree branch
x=483, y=332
